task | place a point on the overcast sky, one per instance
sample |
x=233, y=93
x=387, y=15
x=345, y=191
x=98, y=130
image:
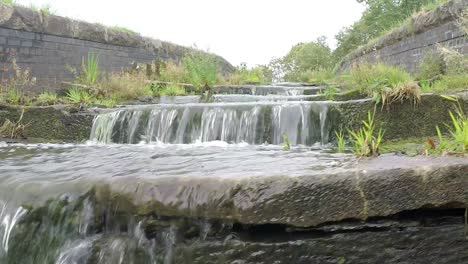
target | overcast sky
x=252, y=31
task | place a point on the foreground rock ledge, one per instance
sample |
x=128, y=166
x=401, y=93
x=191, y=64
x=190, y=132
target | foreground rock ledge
x=372, y=187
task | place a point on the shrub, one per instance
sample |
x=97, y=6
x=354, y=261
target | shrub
x=366, y=141
x=431, y=67
x=201, y=68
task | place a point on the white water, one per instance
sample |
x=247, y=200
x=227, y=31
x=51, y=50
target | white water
x=254, y=123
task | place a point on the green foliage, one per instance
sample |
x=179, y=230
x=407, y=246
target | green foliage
x=13, y=96
x=124, y=86
x=256, y=75
x=172, y=90
x=79, y=96
x=109, y=103
x=172, y=72
x=459, y=126
x=201, y=69
x=47, y=98
x=90, y=69
x=450, y=82
x=379, y=17
x=8, y=2
x=366, y=141
x=321, y=76
x=123, y=29
x=286, y=143
x=304, y=59
x=329, y=92
x=340, y=142
x=431, y=67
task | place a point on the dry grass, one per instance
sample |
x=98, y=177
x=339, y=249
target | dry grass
x=11, y=129
x=406, y=91
x=124, y=86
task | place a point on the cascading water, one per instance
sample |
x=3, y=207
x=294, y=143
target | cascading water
x=55, y=201
x=305, y=123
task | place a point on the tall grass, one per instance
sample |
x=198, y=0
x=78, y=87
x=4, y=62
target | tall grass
x=459, y=127
x=202, y=70
x=90, y=69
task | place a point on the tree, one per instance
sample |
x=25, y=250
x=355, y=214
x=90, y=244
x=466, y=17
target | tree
x=302, y=58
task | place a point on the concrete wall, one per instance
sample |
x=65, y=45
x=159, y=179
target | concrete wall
x=407, y=46
x=50, y=45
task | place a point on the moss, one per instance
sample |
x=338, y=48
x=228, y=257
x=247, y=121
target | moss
x=409, y=146
x=53, y=124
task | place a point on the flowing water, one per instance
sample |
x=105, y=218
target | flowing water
x=54, y=207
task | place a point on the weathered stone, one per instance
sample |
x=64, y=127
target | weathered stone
x=375, y=187
x=406, y=46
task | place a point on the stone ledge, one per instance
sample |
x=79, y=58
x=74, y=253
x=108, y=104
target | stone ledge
x=382, y=186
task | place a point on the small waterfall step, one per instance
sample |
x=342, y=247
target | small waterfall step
x=305, y=123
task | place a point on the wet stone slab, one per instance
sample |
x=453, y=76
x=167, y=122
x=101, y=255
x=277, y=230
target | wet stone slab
x=376, y=187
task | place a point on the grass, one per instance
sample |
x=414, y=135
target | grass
x=8, y=2
x=459, y=127
x=108, y=103
x=286, y=143
x=79, y=96
x=123, y=29
x=47, y=98
x=90, y=69
x=172, y=90
x=201, y=69
x=124, y=86
x=329, y=92
x=385, y=84
x=367, y=139
x=340, y=142
x=321, y=76
x=11, y=129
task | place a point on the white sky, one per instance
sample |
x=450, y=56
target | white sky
x=252, y=31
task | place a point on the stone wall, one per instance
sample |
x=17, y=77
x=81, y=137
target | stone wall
x=49, y=45
x=407, y=46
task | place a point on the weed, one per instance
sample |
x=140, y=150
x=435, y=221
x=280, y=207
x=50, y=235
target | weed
x=286, y=143
x=201, y=69
x=172, y=90
x=13, y=129
x=124, y=86
x=366, y=142
x=8, y=2
x=13, y=97
x=123, y=29
x=321, y=76
x=459, y=126
x=90, y=69
x=431, y=67
x=79, y=96
x=340, y=141
x=330, y=92
x=47, y=98
x=172, y=72
x=108, y=103
x=450, y=82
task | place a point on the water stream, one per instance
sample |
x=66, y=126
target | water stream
x=56, y=204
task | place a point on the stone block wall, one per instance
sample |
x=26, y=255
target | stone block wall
x=49, y=46
x=407, y=46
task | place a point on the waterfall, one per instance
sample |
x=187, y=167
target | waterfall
x=254, y=123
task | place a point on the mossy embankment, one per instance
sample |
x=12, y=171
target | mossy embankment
x=52, y=123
